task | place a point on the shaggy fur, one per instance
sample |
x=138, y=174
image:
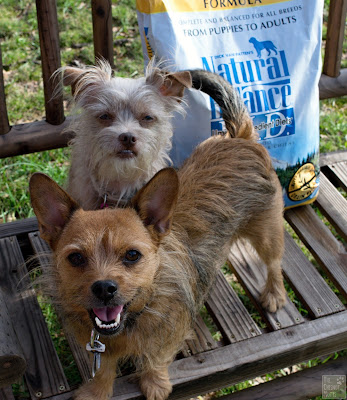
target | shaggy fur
x=159, y=258
x=122, y=130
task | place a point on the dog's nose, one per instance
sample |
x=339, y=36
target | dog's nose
x=127, y=139
x=104, y=290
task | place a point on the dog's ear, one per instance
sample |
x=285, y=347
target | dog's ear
x=174, y=84
x=89, y=78
x=52, y=205
x=170, y=84
x=71, y=76
x=155, y=202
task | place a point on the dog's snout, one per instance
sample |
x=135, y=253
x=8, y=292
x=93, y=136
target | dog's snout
x=104, y=290
x=127, y=139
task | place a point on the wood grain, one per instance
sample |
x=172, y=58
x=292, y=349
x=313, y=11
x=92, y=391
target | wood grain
x=6, y=393
x=4, y=123
x=332, y=205
x=50, y=58
x=201, y=340
x=253, y=357
x=32, y=137
x=229, y=313
x=18, y=227
x=301, y=385
x=325, y=248
x=333, y=86
x=307, y=283
x=102, y=30
x=335, y=36
x=338, y=156
x=251, y=273
x=340, y=171
x=12, y=361
x=44, y=373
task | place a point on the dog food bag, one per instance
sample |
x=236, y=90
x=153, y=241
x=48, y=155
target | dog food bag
x=269, y=50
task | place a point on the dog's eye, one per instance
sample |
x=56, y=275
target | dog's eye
x=105, y=117
x=76, y=259
x=147, y=118
x=131, y=257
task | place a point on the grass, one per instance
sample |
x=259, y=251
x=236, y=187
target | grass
x=25, y=102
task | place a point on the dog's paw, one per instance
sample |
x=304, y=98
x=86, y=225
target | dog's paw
x=273, y=299
x=90, y=392
x=155, y=387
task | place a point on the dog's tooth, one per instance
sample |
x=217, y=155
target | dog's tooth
x=118, y=319
x=98, y=322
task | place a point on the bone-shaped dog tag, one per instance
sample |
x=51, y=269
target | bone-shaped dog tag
x=96, y=363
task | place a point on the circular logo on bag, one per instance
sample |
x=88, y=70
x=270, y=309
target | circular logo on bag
x=303, y=183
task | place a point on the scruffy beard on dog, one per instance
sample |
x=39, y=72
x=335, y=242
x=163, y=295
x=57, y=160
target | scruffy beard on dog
x=122, y=130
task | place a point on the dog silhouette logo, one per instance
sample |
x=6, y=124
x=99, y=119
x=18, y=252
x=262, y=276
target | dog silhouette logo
x=265, y=45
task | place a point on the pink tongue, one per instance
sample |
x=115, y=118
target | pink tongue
x=108, y=314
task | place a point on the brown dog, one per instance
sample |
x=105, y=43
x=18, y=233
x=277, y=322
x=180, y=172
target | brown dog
x=139, y=275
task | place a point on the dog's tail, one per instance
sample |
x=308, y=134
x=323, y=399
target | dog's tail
x=235, y=113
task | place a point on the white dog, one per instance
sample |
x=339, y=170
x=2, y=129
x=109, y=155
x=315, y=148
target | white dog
x=122, y=131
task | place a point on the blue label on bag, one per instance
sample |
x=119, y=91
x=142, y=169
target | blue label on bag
x=271, y=55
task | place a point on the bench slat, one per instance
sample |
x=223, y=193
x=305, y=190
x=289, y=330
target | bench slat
x=332, y=157
x=340, y=171
x=253, y=357
x=229, y=313
x=12, y=360
x=316, y=236
x=245, y=360
x=201, y=341
x=251, y=272
x=305, y=384
x=21, y=226
x=308, y=284
x=6, y=393
x=333, y=205
x=44, y=372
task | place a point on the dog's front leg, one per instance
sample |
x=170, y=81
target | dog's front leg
x=101, y=387
x=155, y=382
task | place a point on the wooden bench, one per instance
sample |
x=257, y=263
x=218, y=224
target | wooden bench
x=244, y=349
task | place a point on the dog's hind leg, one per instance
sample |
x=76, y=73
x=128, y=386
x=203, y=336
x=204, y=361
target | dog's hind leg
x=273, y=296
x=267, y=237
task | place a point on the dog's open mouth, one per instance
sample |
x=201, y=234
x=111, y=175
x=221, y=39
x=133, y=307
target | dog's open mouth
x=107, y=320
x=126, y=153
